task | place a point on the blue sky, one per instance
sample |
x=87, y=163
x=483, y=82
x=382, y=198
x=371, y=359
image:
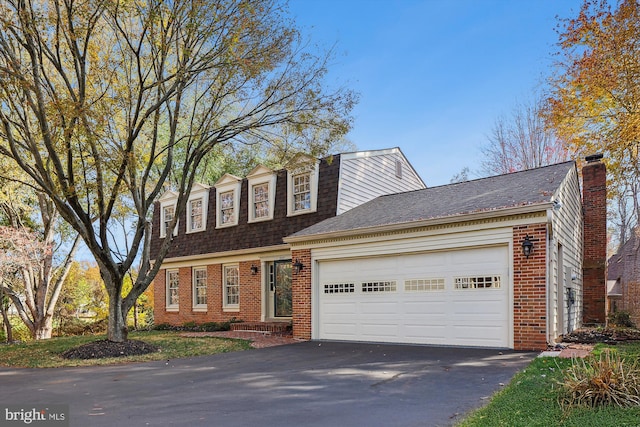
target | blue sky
x=434, y=75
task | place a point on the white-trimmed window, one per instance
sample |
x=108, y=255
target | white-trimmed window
x=227, y=208
x=227, y=201
x=173, y=282
x=262, y=194
x=477, y=282
x=230, y=287
x=302, y=189
x=168, y=213
x=424, y=285
x=381, y=286
x=197, y=208
x=199, y=277
x=339, y=288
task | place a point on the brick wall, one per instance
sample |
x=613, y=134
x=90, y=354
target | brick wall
x=301, y=290
x=250, y=297
x=529, y=289
x=594, y=196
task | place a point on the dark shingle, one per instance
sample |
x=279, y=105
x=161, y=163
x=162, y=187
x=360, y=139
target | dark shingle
x=523, y=188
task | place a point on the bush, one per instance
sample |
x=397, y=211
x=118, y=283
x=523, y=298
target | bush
x=621, y=319
x=607, y=380
x=196, y=327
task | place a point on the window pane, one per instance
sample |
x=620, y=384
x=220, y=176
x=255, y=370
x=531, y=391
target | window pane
x=261, y=200
x=226, y=206
x=168, y=217
x=231, y=285
x=195, y=208
x=302, y=192
x=200, y=286
x=172, y=288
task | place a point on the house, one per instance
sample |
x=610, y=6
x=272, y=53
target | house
x=623, y=278
x=228, y=259
x=503, y=262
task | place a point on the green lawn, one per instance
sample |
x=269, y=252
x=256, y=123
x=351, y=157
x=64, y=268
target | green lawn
x=531, y=399
x=46, y=353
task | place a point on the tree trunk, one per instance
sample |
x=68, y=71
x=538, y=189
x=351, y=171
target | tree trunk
x=7, y=325
x=43, y=329
x=117, y=328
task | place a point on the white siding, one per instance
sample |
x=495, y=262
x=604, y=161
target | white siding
x=369, y=174
x=566, y=232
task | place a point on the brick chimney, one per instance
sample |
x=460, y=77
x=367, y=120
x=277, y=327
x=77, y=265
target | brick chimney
x=594, y=199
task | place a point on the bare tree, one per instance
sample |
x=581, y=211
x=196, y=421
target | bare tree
x=101, y=101
x=31, y=277
x=521, y=141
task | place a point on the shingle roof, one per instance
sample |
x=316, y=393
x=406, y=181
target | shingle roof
x=523, y=188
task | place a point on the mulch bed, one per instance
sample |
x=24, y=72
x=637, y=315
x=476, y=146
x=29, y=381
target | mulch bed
x=105, y=348
x=597, y=335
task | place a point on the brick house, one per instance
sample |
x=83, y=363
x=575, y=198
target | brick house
x=623, y=278
x=493, y=262
x=228, y=259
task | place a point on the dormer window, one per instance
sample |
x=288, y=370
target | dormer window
x=302, y=186
x=227, y=208
x=168, y=212
x=197, y=208
x=262, y=194
x=227, y=201
x=195, y=215
x=261, y=201
x=302, y=192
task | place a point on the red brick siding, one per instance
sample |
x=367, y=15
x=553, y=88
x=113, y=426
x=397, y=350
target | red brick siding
x=594, y=194
x=529, y=289
x=250, y=297
x=301, y=290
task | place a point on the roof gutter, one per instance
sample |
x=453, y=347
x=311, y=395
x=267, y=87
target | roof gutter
x=517, y=210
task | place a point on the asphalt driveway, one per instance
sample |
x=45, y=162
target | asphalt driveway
x=303, y=384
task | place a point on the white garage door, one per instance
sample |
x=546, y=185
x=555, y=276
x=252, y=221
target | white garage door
x=446, y=298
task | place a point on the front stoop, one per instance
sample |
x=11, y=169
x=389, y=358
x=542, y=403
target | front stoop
x=275, y=328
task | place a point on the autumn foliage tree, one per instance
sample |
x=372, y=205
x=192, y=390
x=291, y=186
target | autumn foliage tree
x=594, y=104
x=100, y=101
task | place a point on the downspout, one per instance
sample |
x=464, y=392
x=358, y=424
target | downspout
x=549, y=276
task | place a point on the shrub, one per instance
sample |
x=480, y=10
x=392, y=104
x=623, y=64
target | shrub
x=621, y=319
x=196, y=327
x=607, y=380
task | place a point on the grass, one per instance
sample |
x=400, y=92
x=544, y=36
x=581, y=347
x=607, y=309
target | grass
x=531, y=399
x=46, y=353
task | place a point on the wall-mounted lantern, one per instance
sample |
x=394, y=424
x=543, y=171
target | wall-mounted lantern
x=298, y=266
x=527, y=246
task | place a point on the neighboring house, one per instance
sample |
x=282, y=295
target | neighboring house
x=623, y=274
x=228, y=259
x=493, y=262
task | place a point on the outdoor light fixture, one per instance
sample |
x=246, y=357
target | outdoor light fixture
x=254, y=269
x=298, y=266
x=527, y=246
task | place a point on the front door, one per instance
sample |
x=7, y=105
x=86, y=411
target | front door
x=280, y=289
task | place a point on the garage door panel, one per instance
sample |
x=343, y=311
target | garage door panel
x=344, y=308
x=430, y=310
x=379, y=329
x=379, y=308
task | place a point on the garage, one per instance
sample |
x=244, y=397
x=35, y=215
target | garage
x=459, y=297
